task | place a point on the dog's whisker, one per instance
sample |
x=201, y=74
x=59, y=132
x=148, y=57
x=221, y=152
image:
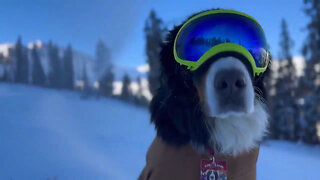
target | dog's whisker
x=257, y=89
x=259, y=96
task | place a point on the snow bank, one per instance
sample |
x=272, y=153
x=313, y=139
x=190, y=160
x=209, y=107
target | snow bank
x=48, y=133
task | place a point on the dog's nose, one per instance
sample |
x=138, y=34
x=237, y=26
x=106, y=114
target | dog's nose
x=229, y=81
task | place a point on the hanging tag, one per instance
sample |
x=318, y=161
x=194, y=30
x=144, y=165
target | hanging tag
x=212, y=169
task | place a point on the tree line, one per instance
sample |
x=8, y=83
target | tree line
x=295, y=104
x=26, y=66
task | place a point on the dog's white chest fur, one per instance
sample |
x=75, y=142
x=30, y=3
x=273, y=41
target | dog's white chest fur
x=235, y=134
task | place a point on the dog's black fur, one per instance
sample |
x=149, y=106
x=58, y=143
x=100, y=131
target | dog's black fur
x=175, y=109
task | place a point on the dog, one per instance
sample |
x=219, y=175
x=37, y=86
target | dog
x=219, y=107
x=189, y=107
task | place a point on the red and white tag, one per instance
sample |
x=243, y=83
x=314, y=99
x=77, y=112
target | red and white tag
x=212, y=169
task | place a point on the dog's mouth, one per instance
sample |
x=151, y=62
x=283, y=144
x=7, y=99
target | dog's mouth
x=233, y=112
x=234, y=108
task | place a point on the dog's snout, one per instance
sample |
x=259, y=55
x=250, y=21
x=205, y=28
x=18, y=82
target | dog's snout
x=230, y=81
x=229, y=88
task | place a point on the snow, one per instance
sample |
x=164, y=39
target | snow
x=4, y=48
x=145, y=68
x=286, y=160
x=37, y=43
x=134, y=73
x=298, y=61
x=49, y=133
x=134, y=86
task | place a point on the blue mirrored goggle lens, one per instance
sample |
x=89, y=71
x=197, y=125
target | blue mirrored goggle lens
x=201, y=34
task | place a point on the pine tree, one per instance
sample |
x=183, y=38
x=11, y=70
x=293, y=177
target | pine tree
x=312, y=46
x=270, y=83
x=38, y=75
x=138, y=96
x=140, y=88
x=309, y=90
x=154, y=33
x=285, y=108
x=103, y=59
x=22, y=64
x=106, y=84
x=126, y=93
x=4, y=77
x=85, y=80
x=140, y=99
x=103, y=69
x=68, y=73
x=311, y=49
x=55, y=80
x=286, y=43
x=2, y=58
x=85, y=77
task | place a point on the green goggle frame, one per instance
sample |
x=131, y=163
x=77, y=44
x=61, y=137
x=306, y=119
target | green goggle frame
x=222, y=47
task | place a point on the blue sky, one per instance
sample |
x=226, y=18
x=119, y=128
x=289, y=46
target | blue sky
x=120, y=22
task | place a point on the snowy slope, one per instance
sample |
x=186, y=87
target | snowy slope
x=285, y=160
x=48, y=133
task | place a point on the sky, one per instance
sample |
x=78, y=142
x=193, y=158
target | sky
x=120, y=23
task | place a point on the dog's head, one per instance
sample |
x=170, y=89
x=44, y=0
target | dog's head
x=219, y=106
x=212, y=175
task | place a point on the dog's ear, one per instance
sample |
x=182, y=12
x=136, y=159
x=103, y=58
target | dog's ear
x=178, y=117
x=175, y=108
x=167, y=114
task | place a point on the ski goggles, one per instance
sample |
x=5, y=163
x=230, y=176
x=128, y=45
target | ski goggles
x=219, y=31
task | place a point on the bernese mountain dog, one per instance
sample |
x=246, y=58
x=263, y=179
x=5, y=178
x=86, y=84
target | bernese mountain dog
x=220, y=106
